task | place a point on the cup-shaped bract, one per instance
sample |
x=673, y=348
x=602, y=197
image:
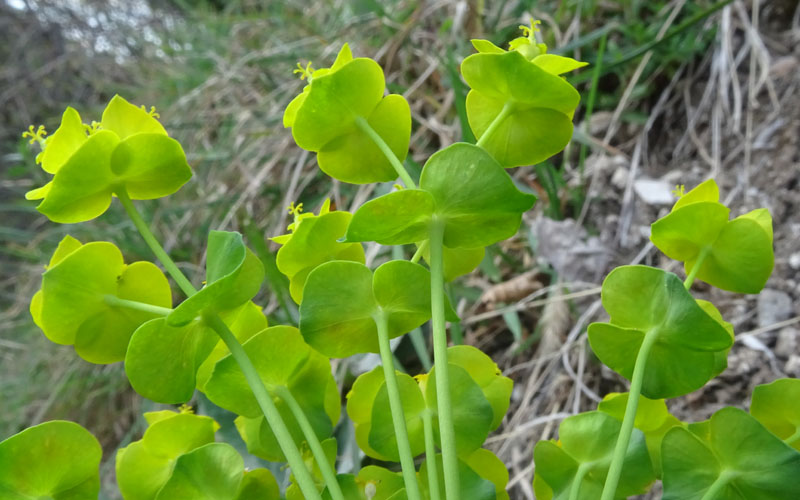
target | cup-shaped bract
x=736, y=457
x=128, y=150
x=777, y=407
x=652, y=418
x=178, y=458
x=72, y=306
x=581, y=458
x=333, y=114
x=462, y=186
x=734, y=255
x=342, y=302
x=233, y=276
x=482, y=476
x=520, y=101
x=313, y=241
x=56, y=459
x=282, y=359
x=371, y=483
x=650, y=307
x=330, y=450
x=480, y=399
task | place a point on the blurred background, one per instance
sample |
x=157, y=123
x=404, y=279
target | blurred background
x=676, y=91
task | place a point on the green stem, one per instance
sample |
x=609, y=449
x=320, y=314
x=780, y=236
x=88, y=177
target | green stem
x=365, y=127
x=313, y=442
x=430, y=455
x=576, y=483
x=115, y=301
x=498, y=120
x=614, y=471
x=447, y=432
x=276, y=423
x=421, y=249
x=396, y=407
x=719, y=485
x=791, y=440
x=153, y=243
x=696, y=267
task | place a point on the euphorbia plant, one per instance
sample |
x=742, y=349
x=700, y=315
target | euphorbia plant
x=278, y=379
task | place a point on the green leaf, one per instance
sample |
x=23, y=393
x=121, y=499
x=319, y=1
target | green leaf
x=458, y=261
x=393, y=219
x=386, y=483
x=211, y=472
x=705, y=191
x=233, y=276
x=472, y=483
x=652, y=418
x=539, y=106
x=67, y=139
x=740, y=460
x=775, y=406
x=486, y=47
x=144, y=466
x=313, y=242
x=57, y=459
x=360, y=401
x=648, y=302
x=583, y=454
x=720, y=357
x=125, y=119
x=259, y=484
x=490, y=467
x=343, y=299
x=281, y=358
x=150, y=166
x=382, y=437
x=557, y=65
x=71, y=307
x=485, y=373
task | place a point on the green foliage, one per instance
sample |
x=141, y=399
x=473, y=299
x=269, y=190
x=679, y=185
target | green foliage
x=775, y=406
x=56, y=459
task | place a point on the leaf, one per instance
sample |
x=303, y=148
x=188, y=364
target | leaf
x=150, y=165
x=313, y=242
x=491, y=468
x=556, y=64
x=342, y=301
x=233, y=276
x=741, y=458
x=382, y=436
x=56, y=459
x=485, y=373
x=652, y=418
x=71, y=307
x=67, y=139
x=259, y=484
x=458, y=261
x=125, y=119
x=360, y=402
x=393, y=219
x=775, y=406
x=211, y=472
x=386, y=482
x=647, y=302
x=281, y=358
x=486, y=47
x=144, y=466
x=583, y=455
x=705, y=191
x=540, y=106
x=472, y=484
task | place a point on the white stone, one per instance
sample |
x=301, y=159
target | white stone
x=654, y=192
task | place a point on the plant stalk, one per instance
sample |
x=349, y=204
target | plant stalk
x=365, y=127
x=276, y=423
x=313, y=442
x=719, y=484
x=184, y=284
x=498, y=120
x=115, y=301
x=624, y=438
x=430, y=456
x=396, y=406
x=447, y=436
x=574, y=491
x=421, y=249
x=696, y=267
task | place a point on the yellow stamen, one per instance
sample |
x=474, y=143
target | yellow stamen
x=152, y=111
x=304, y=72
x=295, y=209
x=186, y=409
x=91, y=129
x=36, y=135
x=679, y=191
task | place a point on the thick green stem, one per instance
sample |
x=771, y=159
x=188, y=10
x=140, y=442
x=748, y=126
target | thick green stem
x=153, y=243
x=430, y=456
x=614, y=471
x=284, y=438
x=421, y=249
x=115, y=301
x=396, y=407
x=328, y=474
x=696, y=267
x=498, y=120
x=576, y=483
x=365, y=127
x=719, y=485
x=444, y=408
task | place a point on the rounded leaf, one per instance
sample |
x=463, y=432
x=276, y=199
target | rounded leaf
x=211, y=472
x=776, y=406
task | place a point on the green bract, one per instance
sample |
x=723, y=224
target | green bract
x=461, y=186
x=282, y=359
x=129, y=151
x=581, y=457
x=330, y=449
x=313, y=241
x=233, y=276
x=480, y=400
x=334, y=113
x=737, y=459
x=777, y=407
x=650, y=308
x=74, y=305
x=523, y=105
x=481, y=474
x=57, y=460
x=344, y=300
x=734, y=255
